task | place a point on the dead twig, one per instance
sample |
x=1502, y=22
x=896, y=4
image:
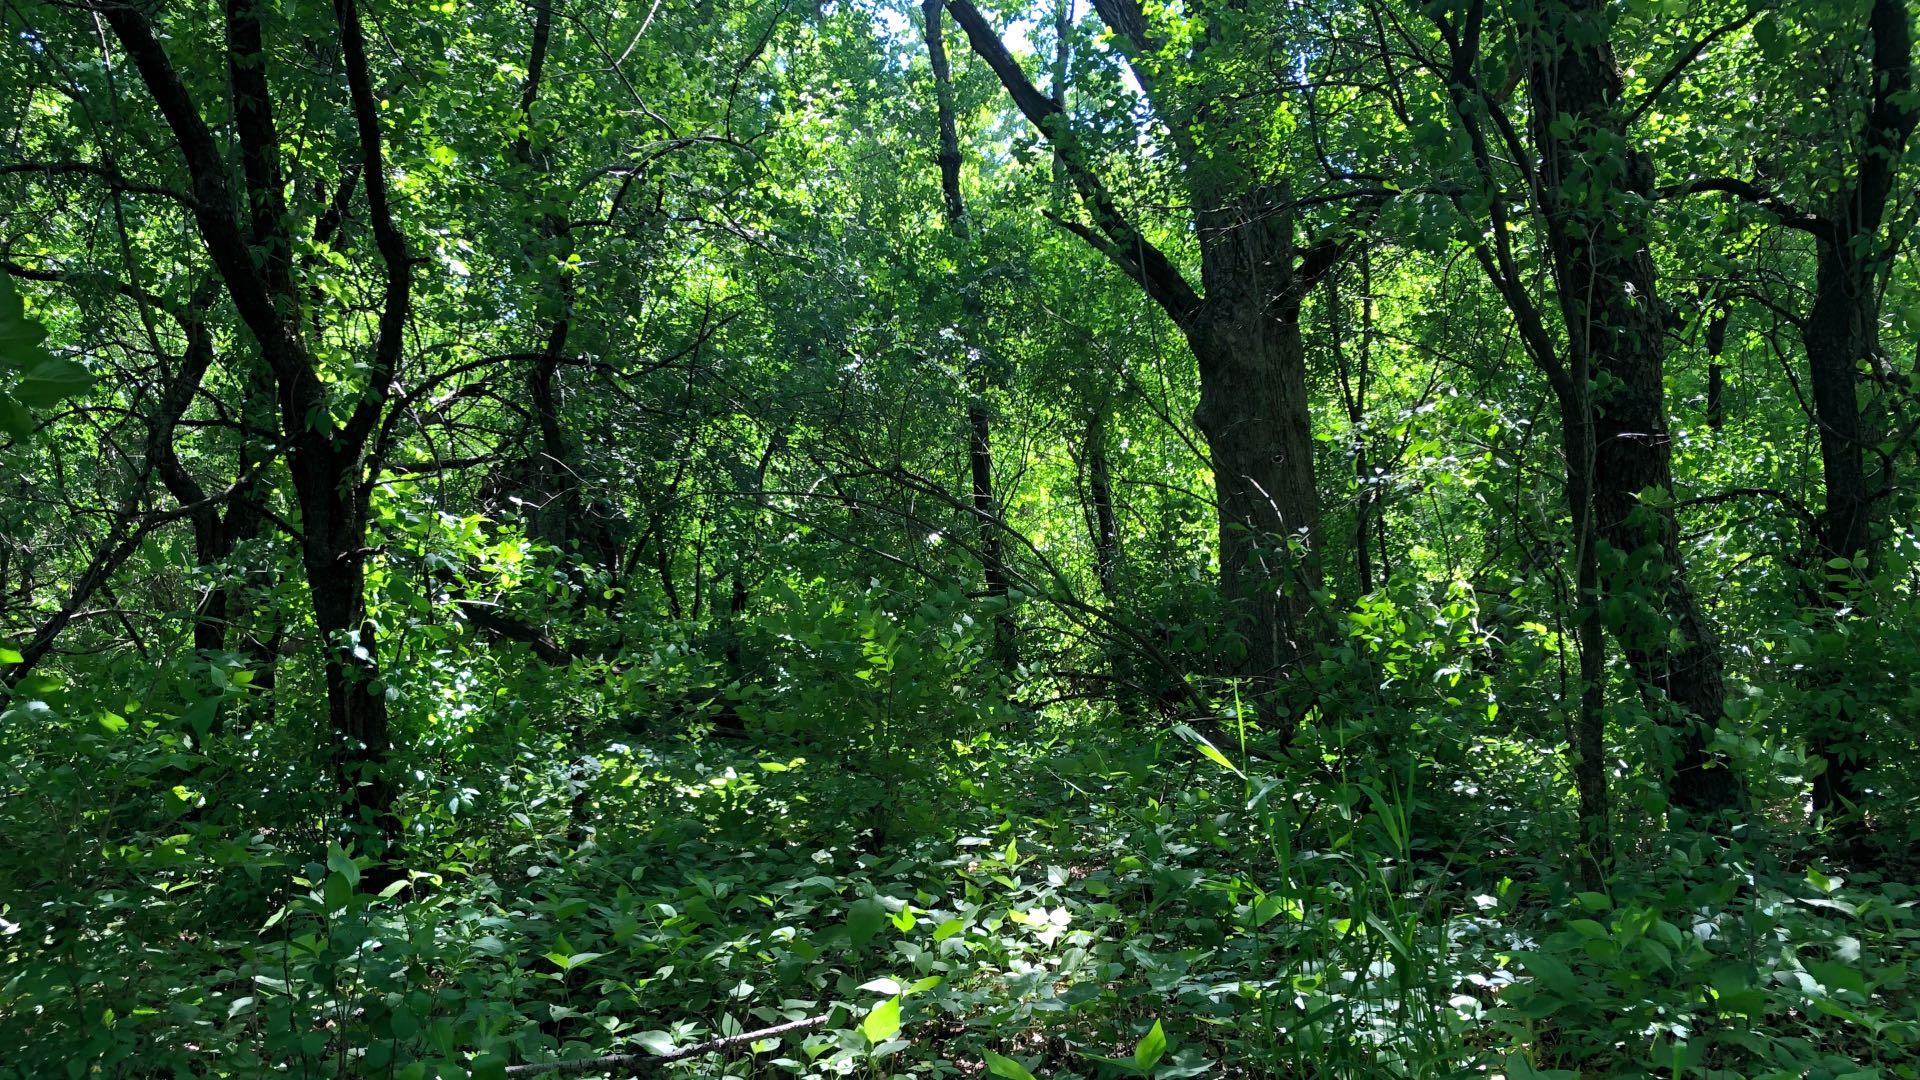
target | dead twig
x=640, y=1062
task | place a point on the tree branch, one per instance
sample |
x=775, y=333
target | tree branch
x=1146, y=263
x=107, y=173
x=386, y=235
x=642, y=1062
x=1790, y=215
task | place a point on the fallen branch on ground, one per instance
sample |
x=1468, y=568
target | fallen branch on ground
x=638, y=1062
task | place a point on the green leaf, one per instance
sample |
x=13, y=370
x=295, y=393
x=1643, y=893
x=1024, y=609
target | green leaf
x=20, y=335
x=490, y=1067
x=655, y=1042
x=883, y=1022
x=1150, y=1049
x=342, y=863
x=51, y=381
x=1551, y=973
x=44, y=379
x=338, y=891
x=1207, y=749
x=865, y=917
x=15, y=420
x=1001, y=1065
x=569, y=961
x=1837, y=976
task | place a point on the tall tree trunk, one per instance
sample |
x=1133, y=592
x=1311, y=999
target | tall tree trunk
x=1608, y=300
x=1105, y=525
x=986, y=509
x=1253, y=413
x=1717, y=320
x=1245, y=338
x=1841, y=336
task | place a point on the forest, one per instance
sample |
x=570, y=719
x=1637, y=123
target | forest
x=959, y=539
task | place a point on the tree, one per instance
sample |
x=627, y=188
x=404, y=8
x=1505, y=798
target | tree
x=327, y=458
x=1244, y=330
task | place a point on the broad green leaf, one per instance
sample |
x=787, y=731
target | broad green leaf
x=883, y=1022
x=865, y=917
x=655, y=1042
x=1150, y=1049
x=1001, y=1065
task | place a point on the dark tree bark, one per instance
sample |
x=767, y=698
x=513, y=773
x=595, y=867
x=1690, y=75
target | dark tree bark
x=326, y=460
x=1841, y=336
x=1717, y=320
x=1245, y=337
x=1253, y=412
x=1105, y=525
x=986, y=508
x=1593, y=184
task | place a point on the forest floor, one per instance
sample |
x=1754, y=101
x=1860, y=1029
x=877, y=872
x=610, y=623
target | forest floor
x=1149, y=909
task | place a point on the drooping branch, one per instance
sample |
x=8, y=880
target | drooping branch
x=1144, y=262
x=98, y=170
x=213, y=202
x=386, y=235
x=637, y=1063
x=1748, y=192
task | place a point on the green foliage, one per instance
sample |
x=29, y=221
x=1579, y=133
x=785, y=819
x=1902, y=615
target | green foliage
x=39, y=379
x=704, y=712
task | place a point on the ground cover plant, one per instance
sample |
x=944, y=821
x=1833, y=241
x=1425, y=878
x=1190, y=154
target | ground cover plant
x=1346, y=538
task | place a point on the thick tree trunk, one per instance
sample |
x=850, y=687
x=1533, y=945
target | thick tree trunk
x=1594, y=188
x=1838, y=334
x=334, y=555
x=1253, y=414
x=1841, y=336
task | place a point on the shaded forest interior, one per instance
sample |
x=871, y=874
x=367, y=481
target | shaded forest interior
x=958, y=538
